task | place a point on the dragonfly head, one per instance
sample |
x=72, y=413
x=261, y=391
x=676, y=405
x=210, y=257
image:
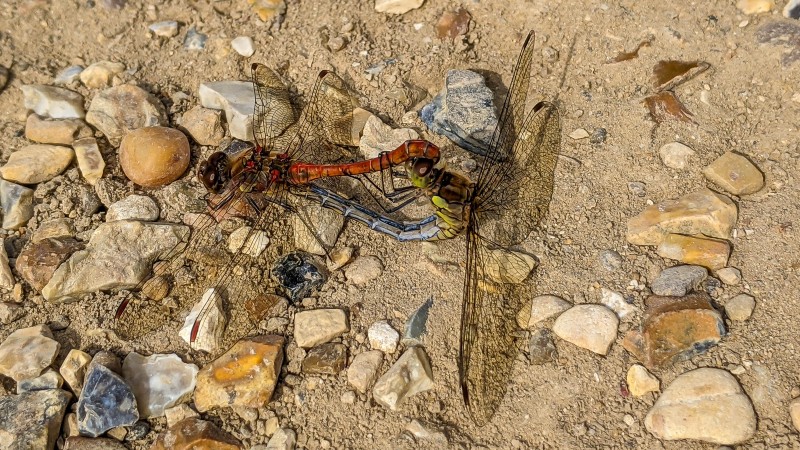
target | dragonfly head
x=215, y=172
x=421, y=171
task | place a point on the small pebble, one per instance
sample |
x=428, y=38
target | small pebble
x=194, y=40
x=133, y=207
x=741, y=307
x=598, y=136
x=244, y=46
x=579, y=133
x=641, y=381
x=735, y=173
x=729, y=275
x=17, y=203
x=336, y=43
x=755, y=6
x=69, y=75
x=676, y=155
x=154, y=156
x=99, y=74
x=593, y=327
x=178, y=413
x=794, y=412
x=610, y=260
x=383, y=337
x=317, y=326
x=539, y=309
x=168, y=28
x=90, y=160
x=329, y=358
x=397, y=6
x=678, y=280
x=616, y=302
x=203, y=125
x=541, y=349
x=348, y=398
x=10, y=312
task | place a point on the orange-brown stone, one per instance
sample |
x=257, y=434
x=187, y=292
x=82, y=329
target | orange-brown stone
x=154, y=156
x=701, y=251
x=679, y=327
x=244, y=376
x=195, y=434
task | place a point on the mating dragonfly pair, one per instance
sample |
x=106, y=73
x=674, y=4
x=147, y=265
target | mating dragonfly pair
x=289, y=172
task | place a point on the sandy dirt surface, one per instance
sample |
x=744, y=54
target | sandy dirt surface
x=574, y=402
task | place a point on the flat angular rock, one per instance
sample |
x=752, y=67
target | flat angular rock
x=729, y=275
x=237, y=100
x=32, y=420
x=740, y=307
x=53, y=102
x=283, y=439
x=55, y=131
x=679, y=328
x=179, y=412
x=154, y=156
x=69, y=75
x=38, y=261
x=244, y=376
x=27, y=352
x=593, y=327
x=616, y=302
x=90, y=160
x=167, y=28
x=195, y=434
x=678, y=281
x=212, y=326
x=364, y=369
x=36, y=163
x=119, y=255
x=99, y=74
x=397, y=6
x=383, y=337
x=317, y=326
x=158, y=381
x=106, y=402
x=73, y=369
x=702, y=212
x=416, y=324
x=329, y=358
x=50, y=379
x=118, y=110
x=17, y=203
x=463, y=112
x=10, y=312
x=203, y=125
x=378, y=137
x=710, y=253
x=133, y=207
x=705, y=404
x=410, y=375
x=735, y=173
x=676, y=155
x=641, y=381
x=540, y=309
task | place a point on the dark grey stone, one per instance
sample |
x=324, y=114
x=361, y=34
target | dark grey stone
x=463, y=112
x=106, y=402
x=541, y=349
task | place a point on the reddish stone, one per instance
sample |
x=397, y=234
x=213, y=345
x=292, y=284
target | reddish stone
x=39, y=260
x=680, y=327
x=195, y=434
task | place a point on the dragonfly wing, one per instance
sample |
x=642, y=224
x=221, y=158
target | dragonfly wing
x=273, y=112
x=488, y=327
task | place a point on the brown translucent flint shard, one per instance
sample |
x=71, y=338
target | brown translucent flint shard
x=665, y=105
x=670, y=74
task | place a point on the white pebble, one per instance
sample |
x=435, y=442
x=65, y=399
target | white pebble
x=244, y=46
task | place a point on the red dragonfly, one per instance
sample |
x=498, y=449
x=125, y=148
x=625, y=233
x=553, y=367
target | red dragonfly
x=271, y=184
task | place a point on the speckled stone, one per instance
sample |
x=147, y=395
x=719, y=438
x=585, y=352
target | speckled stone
x=678, y=280
x=32, y=420
x=383, y=337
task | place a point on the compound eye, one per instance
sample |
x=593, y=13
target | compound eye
x=422, y=167
x=214, y=172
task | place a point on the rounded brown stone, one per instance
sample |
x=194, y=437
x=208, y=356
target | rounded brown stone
x=154, y=156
